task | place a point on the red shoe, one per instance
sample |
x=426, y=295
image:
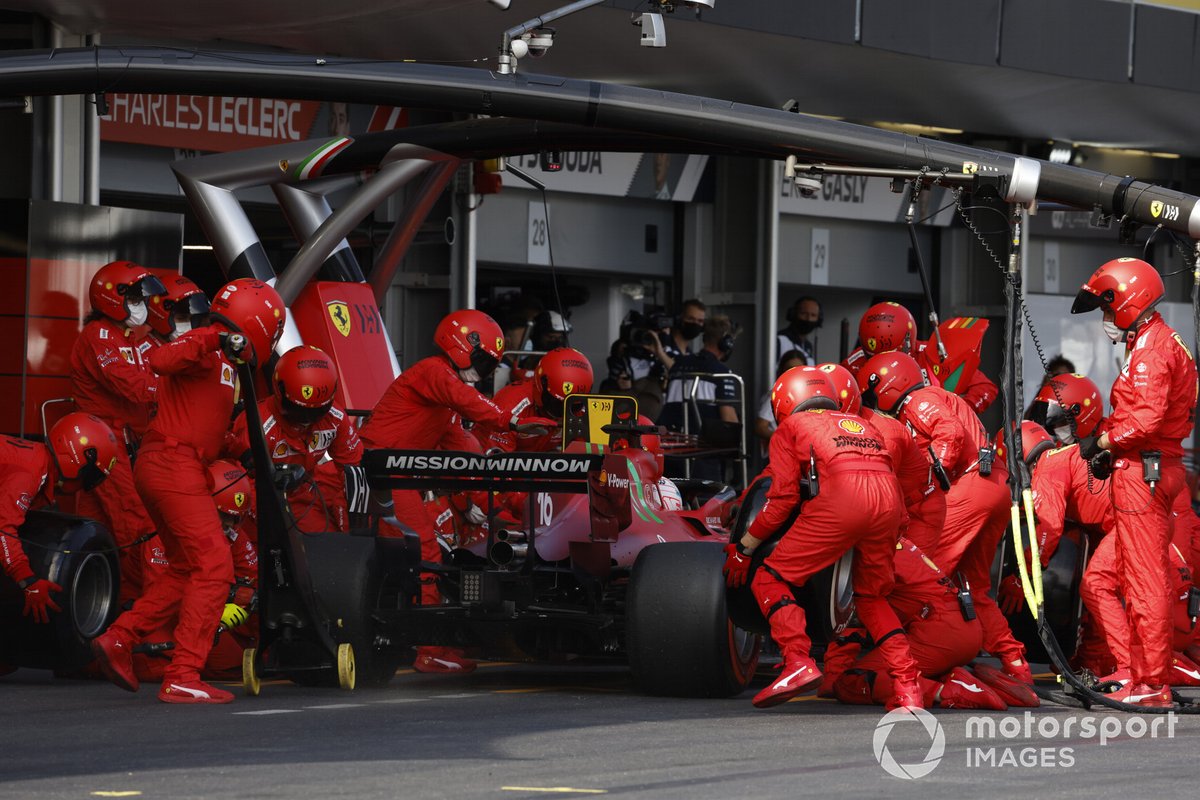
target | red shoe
x=795, y=677
x=1121, y=676
x=1009, y=689
x=193, y=692
x=908, y=697
x=443, y=660
x=961, y=689
x=115, y=658
x=1139, y=694
x=1017, y=669
x=1184, y=671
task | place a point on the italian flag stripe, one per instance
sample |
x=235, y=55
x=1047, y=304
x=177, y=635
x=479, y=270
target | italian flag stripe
x=311, y=167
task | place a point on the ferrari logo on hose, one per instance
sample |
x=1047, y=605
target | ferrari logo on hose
x=340, y=314
x=1156, y=208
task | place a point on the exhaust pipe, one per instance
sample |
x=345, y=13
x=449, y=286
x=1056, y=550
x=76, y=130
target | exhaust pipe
x=505, y=553
x=512, y=537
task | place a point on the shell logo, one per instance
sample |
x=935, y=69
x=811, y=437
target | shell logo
x=83, y=440
x=1121, y=287
x=1087, y=401
x=603, y=478
x=850, y=426
x=108, y=285
x=462, y=328
x=883, y=370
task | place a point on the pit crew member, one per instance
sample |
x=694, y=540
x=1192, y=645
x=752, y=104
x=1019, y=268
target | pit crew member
x=303, y=426
x=110, y=380
x=851, y=460
x=80, y=454
x=197, y=392
x=977, y=505
x=420, y=411
x=1153, y=404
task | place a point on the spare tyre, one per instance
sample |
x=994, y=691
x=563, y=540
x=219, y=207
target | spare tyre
x=79, y=555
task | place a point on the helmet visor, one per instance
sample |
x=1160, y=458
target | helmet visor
x=303, y=415
x=90, y=475
x=483, y=362
x=1085, y=301
x=149, y=286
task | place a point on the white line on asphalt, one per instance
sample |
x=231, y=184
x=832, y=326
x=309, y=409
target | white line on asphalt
x=340, y=705
x=452, y=696
x=400, y=700
x=264, y=712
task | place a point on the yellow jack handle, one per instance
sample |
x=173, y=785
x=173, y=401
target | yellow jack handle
x=1035, y=556
x=1022, y=568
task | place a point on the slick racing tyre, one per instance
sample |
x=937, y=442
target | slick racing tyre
x=78, y=554
x=678, y=633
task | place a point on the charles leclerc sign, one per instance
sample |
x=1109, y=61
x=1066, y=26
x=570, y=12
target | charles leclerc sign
x=207, y=124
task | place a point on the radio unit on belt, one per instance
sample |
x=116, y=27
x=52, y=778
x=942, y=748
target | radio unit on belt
x=965, y=604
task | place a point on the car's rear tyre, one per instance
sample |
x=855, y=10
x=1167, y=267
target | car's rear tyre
x=680, y=639
x=79, y=555
x=348, y=579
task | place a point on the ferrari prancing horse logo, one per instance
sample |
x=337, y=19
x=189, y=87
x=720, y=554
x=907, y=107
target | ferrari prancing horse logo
x=306, y=392
x=340, y=314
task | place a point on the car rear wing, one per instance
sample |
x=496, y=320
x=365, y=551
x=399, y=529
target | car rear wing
x=502, y=472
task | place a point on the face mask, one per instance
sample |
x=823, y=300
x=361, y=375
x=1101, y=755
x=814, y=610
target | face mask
x=469, y=375
x=803, y=327
x=1112, y=331
x=137, y=315
x=691, y=330
x=181, y=327
x=1063, y=434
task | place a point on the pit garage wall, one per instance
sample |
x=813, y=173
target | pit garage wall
x=49, y=253
x=599, y=243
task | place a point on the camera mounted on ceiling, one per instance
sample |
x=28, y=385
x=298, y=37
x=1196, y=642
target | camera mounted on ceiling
x=533, y=37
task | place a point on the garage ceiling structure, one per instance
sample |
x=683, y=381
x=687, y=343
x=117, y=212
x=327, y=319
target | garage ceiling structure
x=1118, y=73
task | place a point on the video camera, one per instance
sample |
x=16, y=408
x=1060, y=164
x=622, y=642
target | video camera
x=637, y=329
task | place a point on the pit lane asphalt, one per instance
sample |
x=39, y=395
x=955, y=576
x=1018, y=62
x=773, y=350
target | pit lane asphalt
x=526, y=731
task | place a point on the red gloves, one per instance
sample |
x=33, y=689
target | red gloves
x=737, y=565
x=38, y=602
x=1010, y=596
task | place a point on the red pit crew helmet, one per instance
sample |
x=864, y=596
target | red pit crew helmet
x=1034, y=442
x=84, y=450
x=1128, y=286
x=231, y=488
x=182, y=297
x=470, y=338
x=251, y=307
x=801, y=389
x=1071, y=397
x=561, y=372
x=886, y=379
x=117, y=283
x=886, y=327
x=849, y=396
x=306, y=381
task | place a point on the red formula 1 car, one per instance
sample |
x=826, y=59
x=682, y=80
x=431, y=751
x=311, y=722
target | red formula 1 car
x=599, y=569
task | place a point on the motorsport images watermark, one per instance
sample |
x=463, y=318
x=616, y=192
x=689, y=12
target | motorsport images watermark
x=1045, y=739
